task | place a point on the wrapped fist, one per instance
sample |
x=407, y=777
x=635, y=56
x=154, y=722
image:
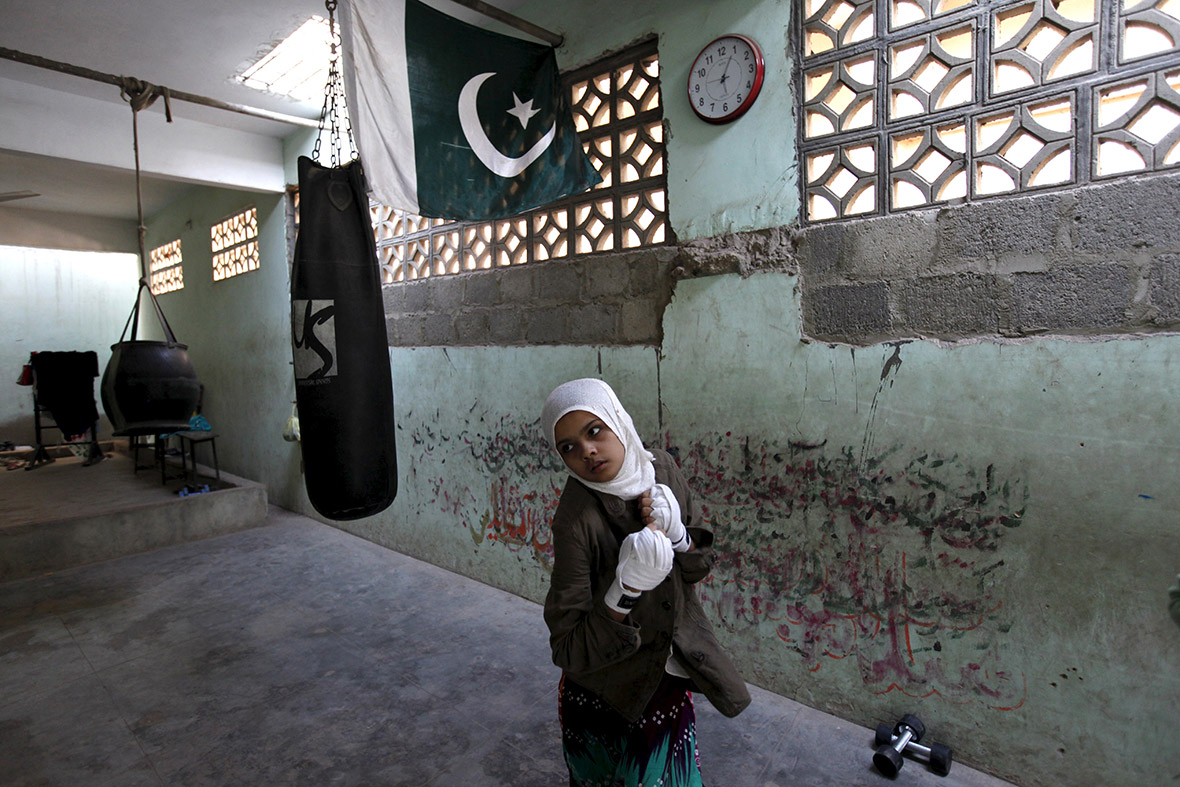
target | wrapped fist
x=645, y=559
x=661, y=509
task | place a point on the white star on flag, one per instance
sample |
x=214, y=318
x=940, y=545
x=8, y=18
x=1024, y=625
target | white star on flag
x=523, y=110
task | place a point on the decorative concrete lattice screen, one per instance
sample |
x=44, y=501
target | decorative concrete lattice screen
x=618, y=115
x=235, y=245
x=913, y=103
x=166, y=271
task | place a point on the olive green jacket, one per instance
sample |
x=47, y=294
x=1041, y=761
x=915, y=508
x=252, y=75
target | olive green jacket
x=623, y=662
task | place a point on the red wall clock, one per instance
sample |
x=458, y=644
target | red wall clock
x=725, y=78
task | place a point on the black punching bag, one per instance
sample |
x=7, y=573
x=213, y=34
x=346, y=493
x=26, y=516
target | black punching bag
x=343, y=387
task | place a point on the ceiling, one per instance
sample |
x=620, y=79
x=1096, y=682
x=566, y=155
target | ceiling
x=195, y=46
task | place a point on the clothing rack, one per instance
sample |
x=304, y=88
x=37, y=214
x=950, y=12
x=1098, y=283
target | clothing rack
x=41, y=455
x=63, y=388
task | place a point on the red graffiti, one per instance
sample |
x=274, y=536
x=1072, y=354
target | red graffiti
x=520, y=520
x=837, y=559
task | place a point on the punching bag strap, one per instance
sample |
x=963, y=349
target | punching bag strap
x=133, y=318
x=168, y=334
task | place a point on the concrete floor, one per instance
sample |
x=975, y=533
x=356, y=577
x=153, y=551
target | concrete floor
x=294, y=653
x=67, y=514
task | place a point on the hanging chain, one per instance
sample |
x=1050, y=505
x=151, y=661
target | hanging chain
x=334, y=102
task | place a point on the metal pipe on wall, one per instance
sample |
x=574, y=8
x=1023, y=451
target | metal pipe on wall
x=179, y=95
x=548, y=36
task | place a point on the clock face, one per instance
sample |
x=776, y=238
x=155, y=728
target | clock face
x=725, y=79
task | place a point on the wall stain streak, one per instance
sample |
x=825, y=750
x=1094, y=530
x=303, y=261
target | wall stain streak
x=892, y=364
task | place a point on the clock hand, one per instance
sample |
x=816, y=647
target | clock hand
x=724, y=73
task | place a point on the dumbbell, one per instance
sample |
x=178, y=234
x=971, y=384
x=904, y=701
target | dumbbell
x=904, y=736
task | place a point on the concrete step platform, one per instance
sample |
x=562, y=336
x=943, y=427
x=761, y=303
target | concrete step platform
x=68, y=513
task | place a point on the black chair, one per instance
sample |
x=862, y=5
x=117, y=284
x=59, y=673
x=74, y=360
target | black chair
x=63, y=391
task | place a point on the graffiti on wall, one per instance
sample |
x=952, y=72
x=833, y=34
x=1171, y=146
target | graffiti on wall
x=894, y=561
x=516, y=505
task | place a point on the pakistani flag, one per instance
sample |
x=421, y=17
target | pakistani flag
x=454, y=121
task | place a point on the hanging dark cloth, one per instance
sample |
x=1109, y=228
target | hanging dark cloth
x=343, y=385
x=65, y=387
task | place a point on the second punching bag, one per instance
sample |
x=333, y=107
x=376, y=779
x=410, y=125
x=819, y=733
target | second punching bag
x=343, y=386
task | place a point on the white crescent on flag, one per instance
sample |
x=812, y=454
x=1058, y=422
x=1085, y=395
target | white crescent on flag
x=497, y=162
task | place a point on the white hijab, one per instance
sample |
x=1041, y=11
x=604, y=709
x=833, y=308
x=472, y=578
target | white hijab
x=638, y=474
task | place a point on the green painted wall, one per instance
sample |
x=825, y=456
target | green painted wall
x=62, y=301
x=982, y=534
x=721, y=179
x=238, y=334
x=477, y=485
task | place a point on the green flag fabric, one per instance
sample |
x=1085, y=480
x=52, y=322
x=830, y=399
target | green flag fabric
x=454, y=121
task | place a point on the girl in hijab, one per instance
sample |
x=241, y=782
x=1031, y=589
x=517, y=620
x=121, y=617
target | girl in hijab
x=625, y=624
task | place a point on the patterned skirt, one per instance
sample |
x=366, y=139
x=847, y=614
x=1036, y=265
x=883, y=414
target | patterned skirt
x=602, y=749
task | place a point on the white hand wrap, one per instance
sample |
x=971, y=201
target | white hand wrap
x=645, y=558
x=619, y=599
x=665, y=511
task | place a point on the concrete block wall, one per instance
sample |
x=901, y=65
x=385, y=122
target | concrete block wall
x=612, y=299
x=615, y=299
x=1099, y=260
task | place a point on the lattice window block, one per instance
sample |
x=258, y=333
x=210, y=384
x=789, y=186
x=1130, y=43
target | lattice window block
x=840, y=97
x=904, y=13
x=165, y=268
x=1148, y=28
x=550, y=235
x=833, y=24
x=928, y=166
x=591, y=104
x=1026, y=147
x=980, y=98
x=234, y=244
x=446, y=252
x=842, y=182
x=1137, y=125
x=636, y=88
x=477, y=246
x=932, y=73
x=167, y=280
x=594, y=227
x=644, y=219
x=235, y=261
x=1043, y=41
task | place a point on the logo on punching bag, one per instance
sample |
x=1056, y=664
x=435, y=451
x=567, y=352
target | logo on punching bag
x=313, y=326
